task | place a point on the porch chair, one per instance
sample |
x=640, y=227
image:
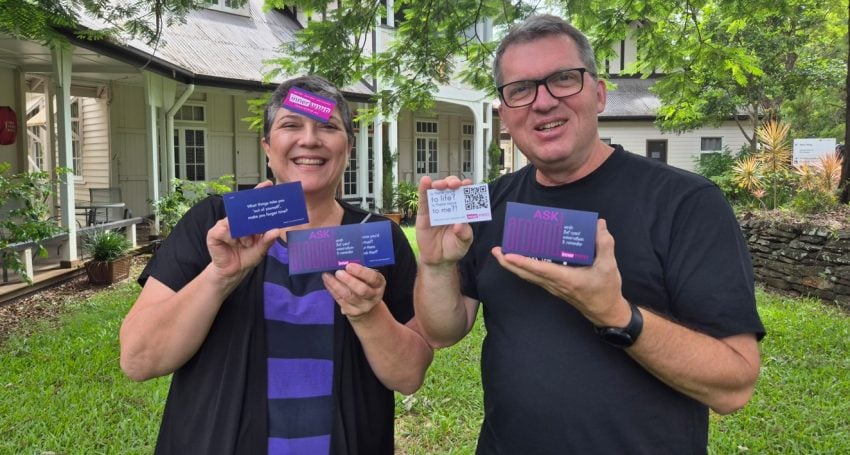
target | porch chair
x=101, y=215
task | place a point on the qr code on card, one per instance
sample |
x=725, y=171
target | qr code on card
x=476, y=197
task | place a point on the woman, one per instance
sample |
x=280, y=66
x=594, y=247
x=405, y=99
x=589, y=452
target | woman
x=265, y=362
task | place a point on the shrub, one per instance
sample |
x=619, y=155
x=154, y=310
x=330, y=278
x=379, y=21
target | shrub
x=494, y=155
x=810, y=202
x=711, y=165
x=408, y=199
x=25, y=214
x=183, y=195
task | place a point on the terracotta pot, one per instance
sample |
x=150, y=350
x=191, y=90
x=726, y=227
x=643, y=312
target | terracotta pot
x=108, y=272
x=395, y=217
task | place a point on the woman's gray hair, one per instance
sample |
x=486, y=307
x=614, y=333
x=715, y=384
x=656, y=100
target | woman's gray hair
x=317, y=85
x=537, y=27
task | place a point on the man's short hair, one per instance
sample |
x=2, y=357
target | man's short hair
x=317, y=85
x=542, y=26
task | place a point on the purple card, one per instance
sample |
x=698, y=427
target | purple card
x=551, y=234
x=258, y=210
x=331, y=248
x=309, y=104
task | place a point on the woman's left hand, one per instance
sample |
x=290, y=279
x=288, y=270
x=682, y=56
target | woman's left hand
x=356, y=289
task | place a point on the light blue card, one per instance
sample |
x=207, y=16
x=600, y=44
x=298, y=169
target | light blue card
x=467, y=204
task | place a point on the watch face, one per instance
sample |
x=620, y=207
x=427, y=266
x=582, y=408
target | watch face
x=623, y=337
x=617, y=337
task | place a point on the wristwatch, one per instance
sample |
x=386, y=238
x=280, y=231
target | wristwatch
x=625, y=336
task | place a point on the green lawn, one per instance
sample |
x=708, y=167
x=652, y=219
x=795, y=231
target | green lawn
x=61, y=389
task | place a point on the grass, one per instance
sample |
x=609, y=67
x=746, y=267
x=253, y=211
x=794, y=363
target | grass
x=61, y=389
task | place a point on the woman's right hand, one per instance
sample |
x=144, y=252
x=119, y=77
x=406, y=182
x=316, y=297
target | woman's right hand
x=233, y=258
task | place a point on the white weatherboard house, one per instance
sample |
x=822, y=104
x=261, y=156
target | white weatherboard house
x=132, y=116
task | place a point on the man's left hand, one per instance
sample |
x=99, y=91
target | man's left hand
x=595, y=290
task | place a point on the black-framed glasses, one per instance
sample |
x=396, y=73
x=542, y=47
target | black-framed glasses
x=560, y=84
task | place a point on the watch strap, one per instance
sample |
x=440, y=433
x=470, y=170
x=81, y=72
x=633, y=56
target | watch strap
x=623, y=337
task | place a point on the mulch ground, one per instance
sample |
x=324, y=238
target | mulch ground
x=49, y=304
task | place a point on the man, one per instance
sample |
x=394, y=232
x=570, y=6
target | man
x=625, y=355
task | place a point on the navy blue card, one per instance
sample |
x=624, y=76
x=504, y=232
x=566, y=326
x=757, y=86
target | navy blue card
x=261, y=209
x=331, y=248
x=551, y=234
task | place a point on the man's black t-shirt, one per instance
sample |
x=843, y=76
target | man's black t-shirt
x=218, y=400
x=551, y=385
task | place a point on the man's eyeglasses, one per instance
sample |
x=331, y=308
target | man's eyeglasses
x=560, y=84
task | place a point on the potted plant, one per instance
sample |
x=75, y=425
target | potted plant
x=408, y=200
x=109, y=260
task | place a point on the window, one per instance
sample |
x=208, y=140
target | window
x=426, y=147
x=76, y=142
x=36, y=146
x=427, y=127
x=191, y=113
x=349, y=177
x=467, y=141
x=711, y=144
x=657, y=150
x=190, y=154
x=229, y=6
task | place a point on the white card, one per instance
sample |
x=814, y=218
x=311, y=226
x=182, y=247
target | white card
x=467, y=204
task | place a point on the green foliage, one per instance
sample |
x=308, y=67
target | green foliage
x=718, y=58
x=106, y=244
x=430, y=40
x=494, y=155
x=25, y=214
x=183, y=195
x=711, y=165
x=46, y=20
x=408, y=199
x=812, y=201
x=725, y=57
x=256, y=107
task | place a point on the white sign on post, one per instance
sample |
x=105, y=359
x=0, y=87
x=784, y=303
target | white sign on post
x=810, y=150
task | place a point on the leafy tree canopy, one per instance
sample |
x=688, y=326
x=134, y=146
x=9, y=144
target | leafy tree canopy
x=718, y=58
x=725, y=57
x=433, y=41
x=48, y=20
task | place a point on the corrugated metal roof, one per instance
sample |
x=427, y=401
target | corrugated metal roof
x=217, y=44
x=631, y=98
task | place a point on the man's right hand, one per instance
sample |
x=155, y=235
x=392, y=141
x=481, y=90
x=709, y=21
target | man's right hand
x=440, y=245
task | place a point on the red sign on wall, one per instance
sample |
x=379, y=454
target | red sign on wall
x=8, y=125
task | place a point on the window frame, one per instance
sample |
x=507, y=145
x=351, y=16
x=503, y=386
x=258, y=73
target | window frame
x=702, y=141
x=221, y=5
x=430, y=138
x=180, y=162
x=467, y=147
